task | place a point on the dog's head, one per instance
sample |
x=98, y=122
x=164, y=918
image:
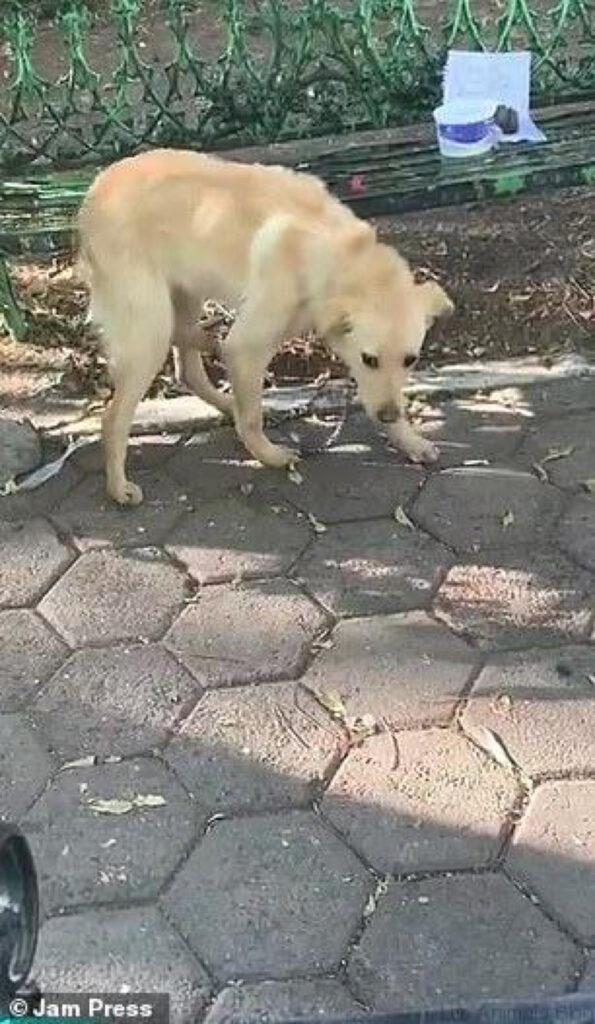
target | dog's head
x=378, y=321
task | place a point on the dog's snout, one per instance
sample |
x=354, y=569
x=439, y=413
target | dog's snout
x=388, y=413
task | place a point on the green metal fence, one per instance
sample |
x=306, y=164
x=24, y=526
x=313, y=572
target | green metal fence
x=253, y=72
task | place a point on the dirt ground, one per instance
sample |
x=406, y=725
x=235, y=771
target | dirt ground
x=522, y=274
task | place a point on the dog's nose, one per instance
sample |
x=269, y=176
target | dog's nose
x=388, y=413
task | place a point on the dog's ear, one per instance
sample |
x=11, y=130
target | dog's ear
x=334, y=322
x=435, y=301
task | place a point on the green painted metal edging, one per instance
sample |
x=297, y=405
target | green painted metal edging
x=282, y=70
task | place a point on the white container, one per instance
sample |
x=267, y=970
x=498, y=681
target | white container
x=466, y=128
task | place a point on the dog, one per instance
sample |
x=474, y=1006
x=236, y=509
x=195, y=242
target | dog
x=163, y=231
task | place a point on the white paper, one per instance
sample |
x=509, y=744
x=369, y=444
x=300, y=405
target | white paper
x=498, y=77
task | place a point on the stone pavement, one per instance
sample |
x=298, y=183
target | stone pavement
x=289, y=747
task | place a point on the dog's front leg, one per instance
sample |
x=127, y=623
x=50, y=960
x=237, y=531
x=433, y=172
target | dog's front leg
x=249, y=348
x=404, y=436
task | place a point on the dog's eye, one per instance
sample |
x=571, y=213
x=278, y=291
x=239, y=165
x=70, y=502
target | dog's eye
x=409, y=360
x=370, y=361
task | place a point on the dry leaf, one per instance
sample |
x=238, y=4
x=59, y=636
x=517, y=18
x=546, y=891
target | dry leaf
x=317, y=526
x=294, y=474
x=150, y=800
x=492, y=745
x=81, y=762
x=541, y=473
x=507, y=519
x=333, y=702
x=557, y=453
x=401, y=517
x=501, y=704
x=111, y=806
x=589, y=485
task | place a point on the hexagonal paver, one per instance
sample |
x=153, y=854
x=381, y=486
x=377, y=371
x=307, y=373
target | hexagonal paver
x=476, y=508
x=144, y=452
x=20, y=449
x=588, y=980
x=518, y=601
x=32, y=557
x=574, y=436
x=471, y=429
x=121, y=951
x=577, y=531
x=421, y=801
x=553, y=852
x=214, y=465
x=556, y=397
x=233, y=539
x=273, y=896
x=404, y=670
x=86, y=855
x=342, y=488
x=95, y=520
x=111, y=595
x=254, y=748
x=25, y=766
x=30, y=653
x=271, y=1001
x=541, y=705
x=447, y=942
x=30, y=504
x=246, y=634
x=378, y=568
x=114, y=702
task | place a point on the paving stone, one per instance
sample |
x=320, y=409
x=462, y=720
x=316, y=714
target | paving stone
x=576, y=432
x=421, y=801
x=96, y=521
x=215, y=465
x=246, y=633
x=448, y=942
x=114, y=702
x=272, y=1001
x=470, y=429
x=113, y=595
x=406, y=670
x=145, y=452
x=577, y=531
x=556, y=397
x=41, y=501
x=253, y=748
x=20, y=449
x=541, y=706
x=518, y=600
x=235, y=539
x=553, y=852
x=30, y=653
x=339, y=489
x=476, y=508
x=274, y=896
x=375, y=569
x=85, y=857
x=588, y=980
x=31, y=556
x=25, y=766
x=124, y=951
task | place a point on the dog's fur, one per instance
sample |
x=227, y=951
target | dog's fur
x=164, y=231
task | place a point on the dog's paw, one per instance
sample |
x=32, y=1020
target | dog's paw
x=279, y=457
x=129, y=494
x=423, y=451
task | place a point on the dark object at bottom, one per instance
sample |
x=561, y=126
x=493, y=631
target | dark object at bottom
x=574, y=1009
x=19, y=913
x=507, y=120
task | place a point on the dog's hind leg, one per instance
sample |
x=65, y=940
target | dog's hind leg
x=191, y=341
x=138, y=339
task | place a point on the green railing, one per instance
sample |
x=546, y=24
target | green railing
x=277, y=68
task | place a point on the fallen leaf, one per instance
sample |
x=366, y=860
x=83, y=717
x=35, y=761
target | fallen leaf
x=507, y=519
x=333, y=702
x=401, y=517
x=502, y=704
x=557, y=453
x=317, y=526
x=294, y=474
x=589, y=485
x=492, y=745
x=81, y=762
x=541, y=473
x=150, y=800
x=111, y=806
